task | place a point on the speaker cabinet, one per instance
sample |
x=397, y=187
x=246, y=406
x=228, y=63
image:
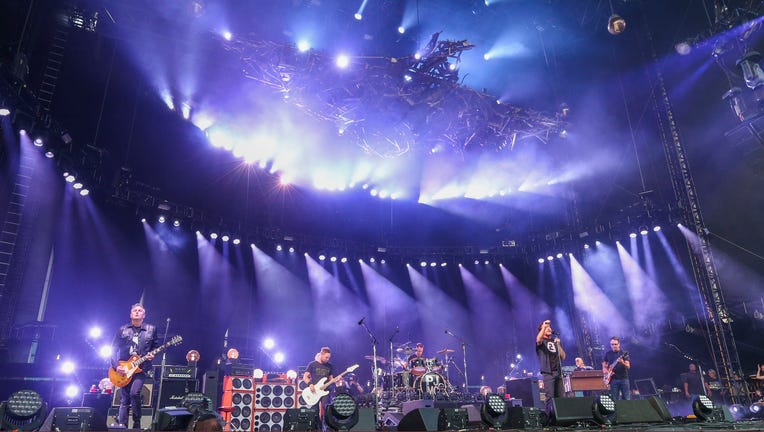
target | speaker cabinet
x=70, y=419
x=653, y=410
x=420, y=419
x=146, y=392
x=526, y=389
x=568, y=411
x=173, y=391
x=302, y=419
x=211, y=387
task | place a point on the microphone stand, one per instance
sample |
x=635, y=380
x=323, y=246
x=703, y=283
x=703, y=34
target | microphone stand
x=464, y=356
x=694, y=360
x=374, y=360
x=161, y=368
x=392, y=360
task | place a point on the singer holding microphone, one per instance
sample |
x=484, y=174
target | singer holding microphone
x=138, y=338
x=550, y=354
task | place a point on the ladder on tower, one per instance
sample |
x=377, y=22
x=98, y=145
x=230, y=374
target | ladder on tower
x=52, y=70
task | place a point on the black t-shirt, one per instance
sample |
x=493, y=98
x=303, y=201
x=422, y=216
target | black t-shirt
x=620, y=371
x=549, y=357
x=319, y=370
x=694, y=385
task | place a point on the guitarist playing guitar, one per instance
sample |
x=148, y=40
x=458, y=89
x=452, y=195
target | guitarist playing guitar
x=138, y=338
x=317, y=369
x=616, y=367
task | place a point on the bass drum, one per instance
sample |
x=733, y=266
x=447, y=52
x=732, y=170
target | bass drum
x=430, y=383
x=418, y=366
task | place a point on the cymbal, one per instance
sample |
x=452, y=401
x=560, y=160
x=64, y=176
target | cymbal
x=379, y=359
x=406, y=350
x=400, y=363
x=445, y=351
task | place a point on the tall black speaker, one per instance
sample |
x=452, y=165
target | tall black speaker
x=211, y=387
x=421, y=419
x=526, y=389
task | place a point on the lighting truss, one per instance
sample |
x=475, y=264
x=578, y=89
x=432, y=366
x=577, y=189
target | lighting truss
x=392, y=106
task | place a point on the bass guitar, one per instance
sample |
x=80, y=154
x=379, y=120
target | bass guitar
x=312, y=397
x=610, y=373
x=133, y=364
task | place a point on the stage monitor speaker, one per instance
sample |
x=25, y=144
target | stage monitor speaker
x=173, y=419
x=367, y=420
x=211, y=387
x=421, y=419
x=172, y=392
x=526, y=389
x=391, y=420
x=146, y=391
x=525, y=418
x=569, y=411
x=452, y=419
x=651, y=410
x=69, y=419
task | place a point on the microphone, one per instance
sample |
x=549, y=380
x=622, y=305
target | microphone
x=361, y=321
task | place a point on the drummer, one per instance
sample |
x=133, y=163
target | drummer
x=418, y=354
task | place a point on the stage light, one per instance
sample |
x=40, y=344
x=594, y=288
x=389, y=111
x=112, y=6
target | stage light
x=67, y=367
x=4, y=112
x=679, y=225
x=279, y=248
x=494, y=411
x=185, y=110
x=401, y=29
x=344, y=260
x=278, y=358
x=519, y=357
x=176, y=223
x=322, y=257
x=423, y=264
x=232, y=354
x=757, y=410
x=604, y=410
x=383, y=194
x=49, y=154
x=343, y=61
x=291, y=249
x=739, y=412
x=549, y=258
x=71, y=391
x=358, y=16
x=443, y=264
x=291, y=374
x=227, y=35
x=541, y=260
x=586, y=246
x=303, y=45
x=24, y=410
x=342, y=413
x=752, y=72
x=95, y=332
x=213, y=235
x=374, y=192
x=633, y=235
x=105, y=351
x=237, y=241
x=38, y=142
x=597, y=242
x=84, y=192
x=559, y=255
x=486, y=262
x=656, y=228
x=703, y=407
x=284, y=181
x=258, y=373
x=269, y=343
x=643, y=230
x=487, y=56
x=225, y=238
x=22, y=132
x=616, y=24
x=372, y=260
x=382, y=262
x=77, y=185
x=69, y=178
x=452, y=66
x=333, y=259
x=161, y=218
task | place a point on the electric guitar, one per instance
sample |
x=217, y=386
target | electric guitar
x=611, y=369
x=312, y=397
x=133, y=364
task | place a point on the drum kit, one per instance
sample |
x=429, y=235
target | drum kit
x=417, y=378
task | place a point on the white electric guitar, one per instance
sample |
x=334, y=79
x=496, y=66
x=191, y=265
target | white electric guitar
x=311, y=397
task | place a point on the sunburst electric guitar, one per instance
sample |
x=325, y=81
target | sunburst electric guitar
x=133, y=364
x=610, y=373
x=312, y=397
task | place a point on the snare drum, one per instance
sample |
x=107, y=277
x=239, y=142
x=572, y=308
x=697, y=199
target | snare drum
x=418, y=366
x=430, y=383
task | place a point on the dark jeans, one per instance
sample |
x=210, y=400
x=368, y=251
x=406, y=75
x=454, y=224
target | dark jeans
x=131, y=399
x=553, y=387
x=621, y=386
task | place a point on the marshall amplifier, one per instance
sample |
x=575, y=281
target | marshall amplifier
x=173, y=391
x=176, y=372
